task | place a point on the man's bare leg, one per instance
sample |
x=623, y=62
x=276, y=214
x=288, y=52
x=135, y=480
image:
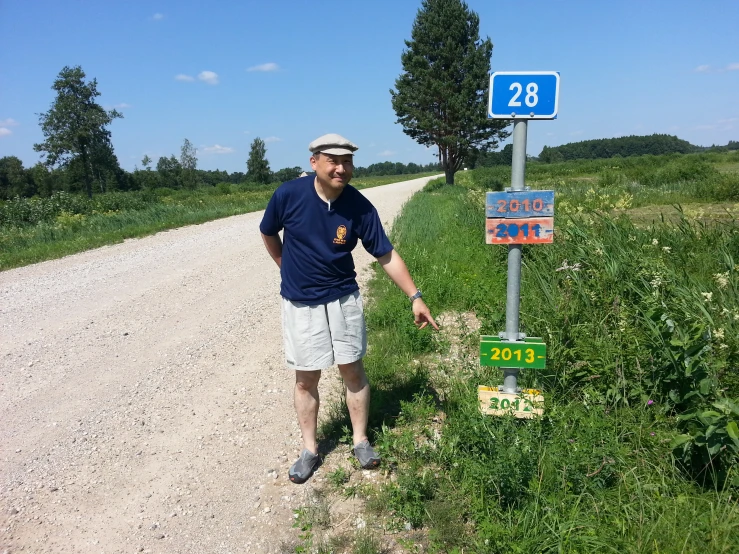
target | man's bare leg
x=357, y=397
x=306, y=406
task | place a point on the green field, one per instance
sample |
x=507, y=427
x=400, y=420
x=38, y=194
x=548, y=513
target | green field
x=637, y=302
x=38, y=229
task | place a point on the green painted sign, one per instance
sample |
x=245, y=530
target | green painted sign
x=531, y=352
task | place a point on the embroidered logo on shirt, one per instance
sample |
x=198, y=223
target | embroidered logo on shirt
x=340, y=235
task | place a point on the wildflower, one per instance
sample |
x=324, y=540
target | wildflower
x=632, y=238
x=723, y=345
x=655, y=242
x=651, y=434
x=667, y=249
x=650, y=402
x=725, y=311
x=599, y=251
x=718, y=333
x=722, y=279
x=565, y=265
x=656, y=281
x=707, y=296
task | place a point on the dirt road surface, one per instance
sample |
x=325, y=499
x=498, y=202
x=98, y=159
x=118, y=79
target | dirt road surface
x=144, y=403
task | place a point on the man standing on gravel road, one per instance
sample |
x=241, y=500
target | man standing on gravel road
x=322, y=316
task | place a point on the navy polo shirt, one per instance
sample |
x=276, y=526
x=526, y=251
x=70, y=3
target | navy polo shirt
x=317, y=264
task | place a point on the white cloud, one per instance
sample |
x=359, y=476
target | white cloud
x=157, y=16
x=122, y=105
x=217, y=149
x=732, y=67
x=4, y=132
x=272, y=139
x=210, y=77
x=10, y=122
x=271, y=66
x=386, y=153
x=183, y=77
x=702, y=69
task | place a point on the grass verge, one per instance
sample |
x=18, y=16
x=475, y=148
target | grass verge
x=637, y=450
x=43, y=229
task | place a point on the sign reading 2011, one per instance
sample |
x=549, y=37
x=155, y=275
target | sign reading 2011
x=524, y=95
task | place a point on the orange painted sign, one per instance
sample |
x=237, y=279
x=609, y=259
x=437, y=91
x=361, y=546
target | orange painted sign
x=530, y=230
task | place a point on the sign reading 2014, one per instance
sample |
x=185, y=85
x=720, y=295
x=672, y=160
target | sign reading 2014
x=524, y=95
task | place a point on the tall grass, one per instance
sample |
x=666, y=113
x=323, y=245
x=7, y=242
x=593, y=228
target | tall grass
x=637, y=450
x=38, y=229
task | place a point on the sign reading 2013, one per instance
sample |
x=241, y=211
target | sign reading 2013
x=524, y=95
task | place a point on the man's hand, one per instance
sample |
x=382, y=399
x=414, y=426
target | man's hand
x=422, y=315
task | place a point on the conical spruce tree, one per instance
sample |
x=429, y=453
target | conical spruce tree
x=441, y=96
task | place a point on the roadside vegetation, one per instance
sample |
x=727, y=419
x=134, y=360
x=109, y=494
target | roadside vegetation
x=43, y=228
x=637, y=302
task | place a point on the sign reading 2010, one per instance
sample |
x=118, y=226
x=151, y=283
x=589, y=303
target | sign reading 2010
x=524, y=95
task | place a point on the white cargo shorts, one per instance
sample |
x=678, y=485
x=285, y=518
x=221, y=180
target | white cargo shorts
x=317, y=337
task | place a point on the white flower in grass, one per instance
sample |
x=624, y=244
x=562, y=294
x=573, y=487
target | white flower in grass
x=722, y=279
x=667, y=249
x=599, y=251
x=723, y=345
x=565, y=266
x=718, y=333
x=632, y=238
x=656, y=281
x=707, y=296
x=655, y=242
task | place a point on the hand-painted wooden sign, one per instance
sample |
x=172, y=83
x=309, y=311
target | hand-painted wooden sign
x=517, y=204
x=531, y=230
x=524, y=405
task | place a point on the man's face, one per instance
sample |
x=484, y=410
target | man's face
x=334, y=171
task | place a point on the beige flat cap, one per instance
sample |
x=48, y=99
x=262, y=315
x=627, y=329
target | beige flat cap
x=332, y=144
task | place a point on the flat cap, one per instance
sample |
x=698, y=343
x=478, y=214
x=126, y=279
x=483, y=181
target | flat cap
x=332, y=144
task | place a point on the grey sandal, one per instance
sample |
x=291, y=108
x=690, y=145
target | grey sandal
x=304, y=467
x=366, y=455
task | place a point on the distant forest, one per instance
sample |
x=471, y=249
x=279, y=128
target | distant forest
x=624, y=147
x=603, y=148
x=40, y=180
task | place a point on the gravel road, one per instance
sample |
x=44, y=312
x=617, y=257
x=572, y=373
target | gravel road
x=144, y=404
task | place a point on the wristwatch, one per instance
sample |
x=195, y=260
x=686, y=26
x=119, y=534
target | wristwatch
x=417, y=295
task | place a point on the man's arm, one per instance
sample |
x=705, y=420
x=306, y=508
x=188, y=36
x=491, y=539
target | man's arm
x=274, y=247
x=396, y=269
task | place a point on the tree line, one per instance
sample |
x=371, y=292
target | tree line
x=656, y=145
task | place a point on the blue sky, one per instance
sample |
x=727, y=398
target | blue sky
x=287, y=71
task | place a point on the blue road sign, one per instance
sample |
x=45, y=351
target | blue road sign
x=524, y=95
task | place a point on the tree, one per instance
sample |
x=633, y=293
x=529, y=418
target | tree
x=257, y=166
x=440, y=98
x=146, y=162
x=75, y=125
x=13, y=179
x=169, y=172
x=189, y=163
x=287, y=174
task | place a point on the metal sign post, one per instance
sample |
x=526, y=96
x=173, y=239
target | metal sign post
x=516, y=217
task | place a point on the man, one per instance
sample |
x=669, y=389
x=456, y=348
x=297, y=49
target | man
x=322, y=317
